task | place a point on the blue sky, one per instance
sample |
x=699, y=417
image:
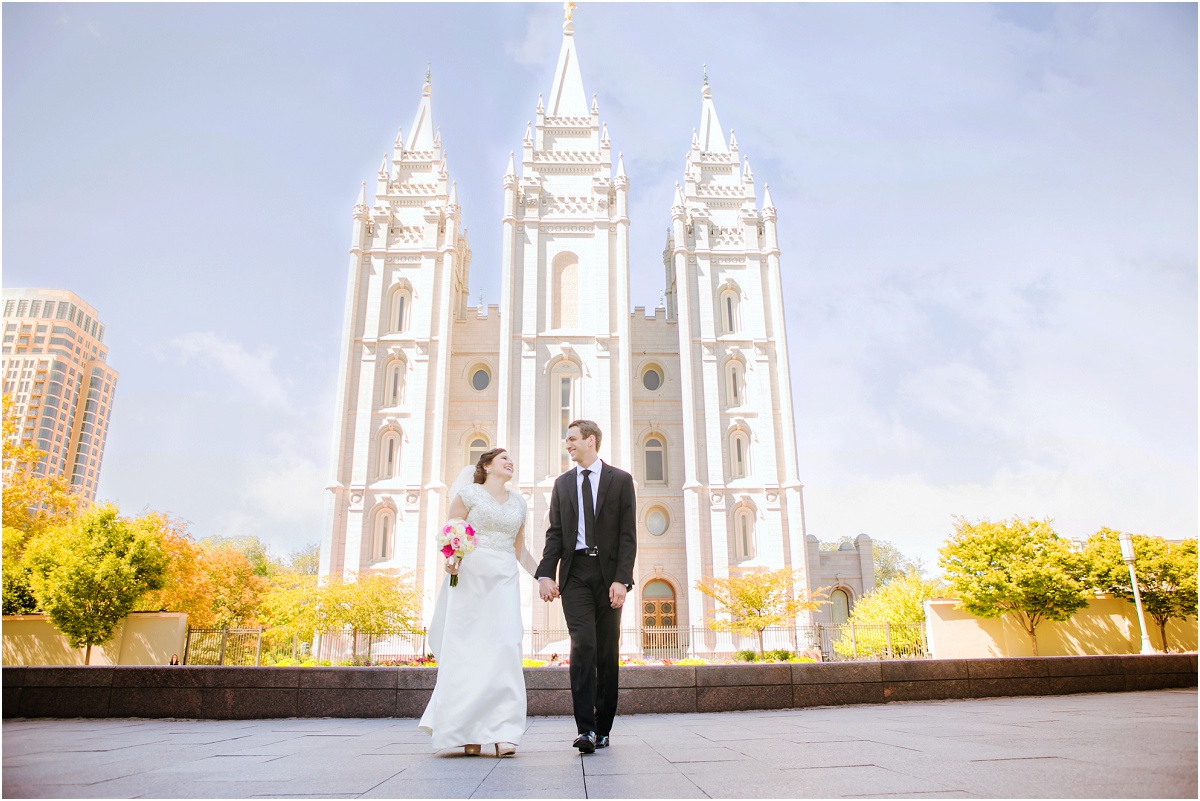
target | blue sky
x=987, y=219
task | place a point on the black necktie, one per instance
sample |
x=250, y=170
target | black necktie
x=589, y=513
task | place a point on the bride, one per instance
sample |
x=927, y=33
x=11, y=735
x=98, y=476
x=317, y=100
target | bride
x=476, y=630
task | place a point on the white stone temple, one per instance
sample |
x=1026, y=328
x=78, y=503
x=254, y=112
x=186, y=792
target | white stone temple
x=695, y=399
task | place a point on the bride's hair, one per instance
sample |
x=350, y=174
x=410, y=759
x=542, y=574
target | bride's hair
x=484, y=461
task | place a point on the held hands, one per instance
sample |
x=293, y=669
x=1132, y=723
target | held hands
x=548, y=589
x=616, y=595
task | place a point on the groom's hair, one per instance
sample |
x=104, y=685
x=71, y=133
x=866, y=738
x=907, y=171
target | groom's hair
x=588, y=428
x=484, y=461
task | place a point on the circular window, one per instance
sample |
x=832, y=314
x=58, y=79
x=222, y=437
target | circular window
x=657, y=521
x=480, y=379
x=652, y=379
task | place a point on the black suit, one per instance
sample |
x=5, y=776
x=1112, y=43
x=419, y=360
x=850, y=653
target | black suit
x=584, y=583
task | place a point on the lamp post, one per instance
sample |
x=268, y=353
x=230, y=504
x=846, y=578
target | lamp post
x=1127, y=554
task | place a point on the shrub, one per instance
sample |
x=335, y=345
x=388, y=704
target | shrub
x=779, y=654
x=533, y=663
x=746, y=656
x=692, y=661
x=801, y=659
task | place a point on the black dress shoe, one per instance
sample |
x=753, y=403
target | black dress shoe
x=586, y=743
x=602, y=741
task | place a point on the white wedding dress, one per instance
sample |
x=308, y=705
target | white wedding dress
x=476, y=634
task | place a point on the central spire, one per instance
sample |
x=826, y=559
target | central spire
x=421, y=136
x=567, y=98
x=711, y=138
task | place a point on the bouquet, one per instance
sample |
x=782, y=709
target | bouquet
x=457, y=540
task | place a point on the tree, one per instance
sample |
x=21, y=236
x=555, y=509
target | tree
x=1166, y=574
x=254, y=549
x=236, y=586
x=305, y=561
x=373, y=605
x=32, y=504
x=291, y=608
x=189, y=582
x=88, y=574
x=756, y=600
x=900, y=602
x=1017, y=567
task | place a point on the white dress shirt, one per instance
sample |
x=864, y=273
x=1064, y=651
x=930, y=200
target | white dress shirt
x=595, y=467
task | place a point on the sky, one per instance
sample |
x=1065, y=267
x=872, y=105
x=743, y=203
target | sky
x=987, y=218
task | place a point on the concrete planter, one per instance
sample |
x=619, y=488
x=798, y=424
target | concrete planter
x=367, y=692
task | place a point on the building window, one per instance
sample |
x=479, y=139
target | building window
x=481, y=379
x=657, y=521
x=739, y=455
x=839, y=604
x=564, y=394
x=730, y=312
x=389, y=456
x=743, y=534
x=399, y=309
x=735, y=382
x=385, y=529
x=393, y=383
x=566, y=291
x=652, y=379
x=656, y=472
x=479, y=446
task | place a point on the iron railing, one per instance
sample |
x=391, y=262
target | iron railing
x=223, y=646
x=826, y=642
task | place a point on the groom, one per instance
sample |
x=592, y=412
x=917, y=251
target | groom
x=592, y=542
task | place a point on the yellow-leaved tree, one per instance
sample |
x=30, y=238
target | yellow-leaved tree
x=755, y=600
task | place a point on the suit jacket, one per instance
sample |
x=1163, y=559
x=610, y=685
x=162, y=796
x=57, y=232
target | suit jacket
x=616, y=528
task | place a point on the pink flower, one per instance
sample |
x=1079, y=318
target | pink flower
x=456, y=543
x=470, y=531
x=446, y=551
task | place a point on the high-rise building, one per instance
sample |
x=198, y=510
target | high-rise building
x=55, y=368
x=694, y=399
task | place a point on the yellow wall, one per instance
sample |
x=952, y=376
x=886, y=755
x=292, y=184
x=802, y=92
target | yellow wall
x=1107, y=626
x=142, y=638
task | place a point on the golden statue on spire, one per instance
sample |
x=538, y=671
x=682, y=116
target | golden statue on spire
x=568, y=11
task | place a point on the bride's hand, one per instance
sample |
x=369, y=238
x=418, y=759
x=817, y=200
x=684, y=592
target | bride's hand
x=452, y=567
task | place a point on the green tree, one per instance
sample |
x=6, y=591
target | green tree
x=901, y=604
x=1166, y=574
x=756, y=600
x=88, y=574
x=305, y=561
x=33, y=503
x=1017, y=567
x=371, y=605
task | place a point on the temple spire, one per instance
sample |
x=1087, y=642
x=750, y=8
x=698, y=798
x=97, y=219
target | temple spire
x=420, y=136
x=712, y=140
x=767, y=202
x=512, y=167
x=567, y=98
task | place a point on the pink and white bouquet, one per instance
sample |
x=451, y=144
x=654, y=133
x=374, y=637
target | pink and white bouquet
x=457, y=539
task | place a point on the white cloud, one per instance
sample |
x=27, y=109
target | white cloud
x=252, y=372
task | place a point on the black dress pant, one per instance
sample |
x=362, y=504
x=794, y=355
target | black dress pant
x=595, y=645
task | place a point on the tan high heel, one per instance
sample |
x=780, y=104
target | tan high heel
x=472, y=750
x=506, y=749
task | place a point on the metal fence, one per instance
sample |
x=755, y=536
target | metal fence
x=829, y=643
x=223, y=646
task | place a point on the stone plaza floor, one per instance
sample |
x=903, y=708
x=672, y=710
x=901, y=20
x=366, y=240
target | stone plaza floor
x=1124, y=745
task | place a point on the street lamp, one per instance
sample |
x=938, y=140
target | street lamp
x=1127, y=554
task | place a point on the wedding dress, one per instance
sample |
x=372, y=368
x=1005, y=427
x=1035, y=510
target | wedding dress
x=476, y=633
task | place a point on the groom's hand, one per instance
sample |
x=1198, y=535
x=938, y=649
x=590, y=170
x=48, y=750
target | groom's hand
x=547, y=589
x=616, y=595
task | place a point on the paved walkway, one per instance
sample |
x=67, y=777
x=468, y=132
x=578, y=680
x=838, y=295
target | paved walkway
x=1129, y=745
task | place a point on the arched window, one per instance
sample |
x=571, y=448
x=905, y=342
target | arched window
x=389, y=456
x=735, y=382
x=385, y=530
x=730, y=312
x=743, y=534
x=839, y=604
x=564, y=400
x=739, y=455
x=393, y=383
x=479, y=447
x=656, y=470
x=399, y=309
x=566, y=291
